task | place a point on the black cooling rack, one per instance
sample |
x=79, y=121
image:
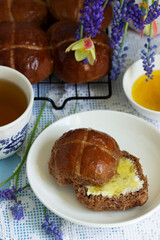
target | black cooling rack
x=99, y=89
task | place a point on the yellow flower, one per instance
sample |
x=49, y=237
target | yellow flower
x=84, y=48
x=147, y=29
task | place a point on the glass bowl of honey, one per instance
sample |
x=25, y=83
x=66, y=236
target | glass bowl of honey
x=16, y=103
x=143, y=93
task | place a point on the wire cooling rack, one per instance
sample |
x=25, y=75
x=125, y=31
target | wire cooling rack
x=60, y=92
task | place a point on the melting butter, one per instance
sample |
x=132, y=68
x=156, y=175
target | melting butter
x=124, y=181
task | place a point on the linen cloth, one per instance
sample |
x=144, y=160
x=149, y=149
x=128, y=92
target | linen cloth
x=29, y=227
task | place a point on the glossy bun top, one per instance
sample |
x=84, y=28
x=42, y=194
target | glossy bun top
x=84, y=156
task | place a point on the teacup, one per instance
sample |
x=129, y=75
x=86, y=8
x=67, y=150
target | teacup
x=12, y=134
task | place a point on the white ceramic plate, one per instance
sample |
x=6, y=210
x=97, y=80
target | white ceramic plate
x=132, y=134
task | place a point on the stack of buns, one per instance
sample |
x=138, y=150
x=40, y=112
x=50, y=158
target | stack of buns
x=104, y=177
x=27, y=45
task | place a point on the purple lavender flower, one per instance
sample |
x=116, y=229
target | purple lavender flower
x=129, y=11
x=92, y=16
x=17, y=211
x=134, y=13
x=117, y=26
x=122, y=15
x=9, y=194
x=51, y=229
x=148, y=58
x=153, y=13
x=118, y=61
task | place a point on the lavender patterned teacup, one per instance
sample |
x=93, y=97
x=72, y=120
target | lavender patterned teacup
x=13, y=134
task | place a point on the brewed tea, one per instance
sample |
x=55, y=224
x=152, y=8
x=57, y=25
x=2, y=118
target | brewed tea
x=13, y=102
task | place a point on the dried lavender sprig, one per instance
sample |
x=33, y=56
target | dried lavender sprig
x=134, y=13
x=10, y=194
x=117, y=25
x=123, y=12
x=148, y=58
x=118, y=58
x=118, y=61
x=17, y=210
x=50, y=227
x=92, y=16
x=153, y=13
x=149, y=53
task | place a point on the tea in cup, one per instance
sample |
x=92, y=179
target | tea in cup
x=16, y=103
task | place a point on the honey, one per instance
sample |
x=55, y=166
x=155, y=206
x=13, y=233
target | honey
x=147, y=93
x=124, y=181
x=13, y=102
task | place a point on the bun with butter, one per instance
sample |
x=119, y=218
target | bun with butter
x=126, y=189
x=104, y=178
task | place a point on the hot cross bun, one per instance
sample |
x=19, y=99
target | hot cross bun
x=25, y=48
x=61, y=35
x=84, y=156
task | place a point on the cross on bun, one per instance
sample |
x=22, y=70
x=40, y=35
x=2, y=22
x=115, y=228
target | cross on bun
x=84, y=156
x=25, y=47
x=33, y=11
x=61, y=35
